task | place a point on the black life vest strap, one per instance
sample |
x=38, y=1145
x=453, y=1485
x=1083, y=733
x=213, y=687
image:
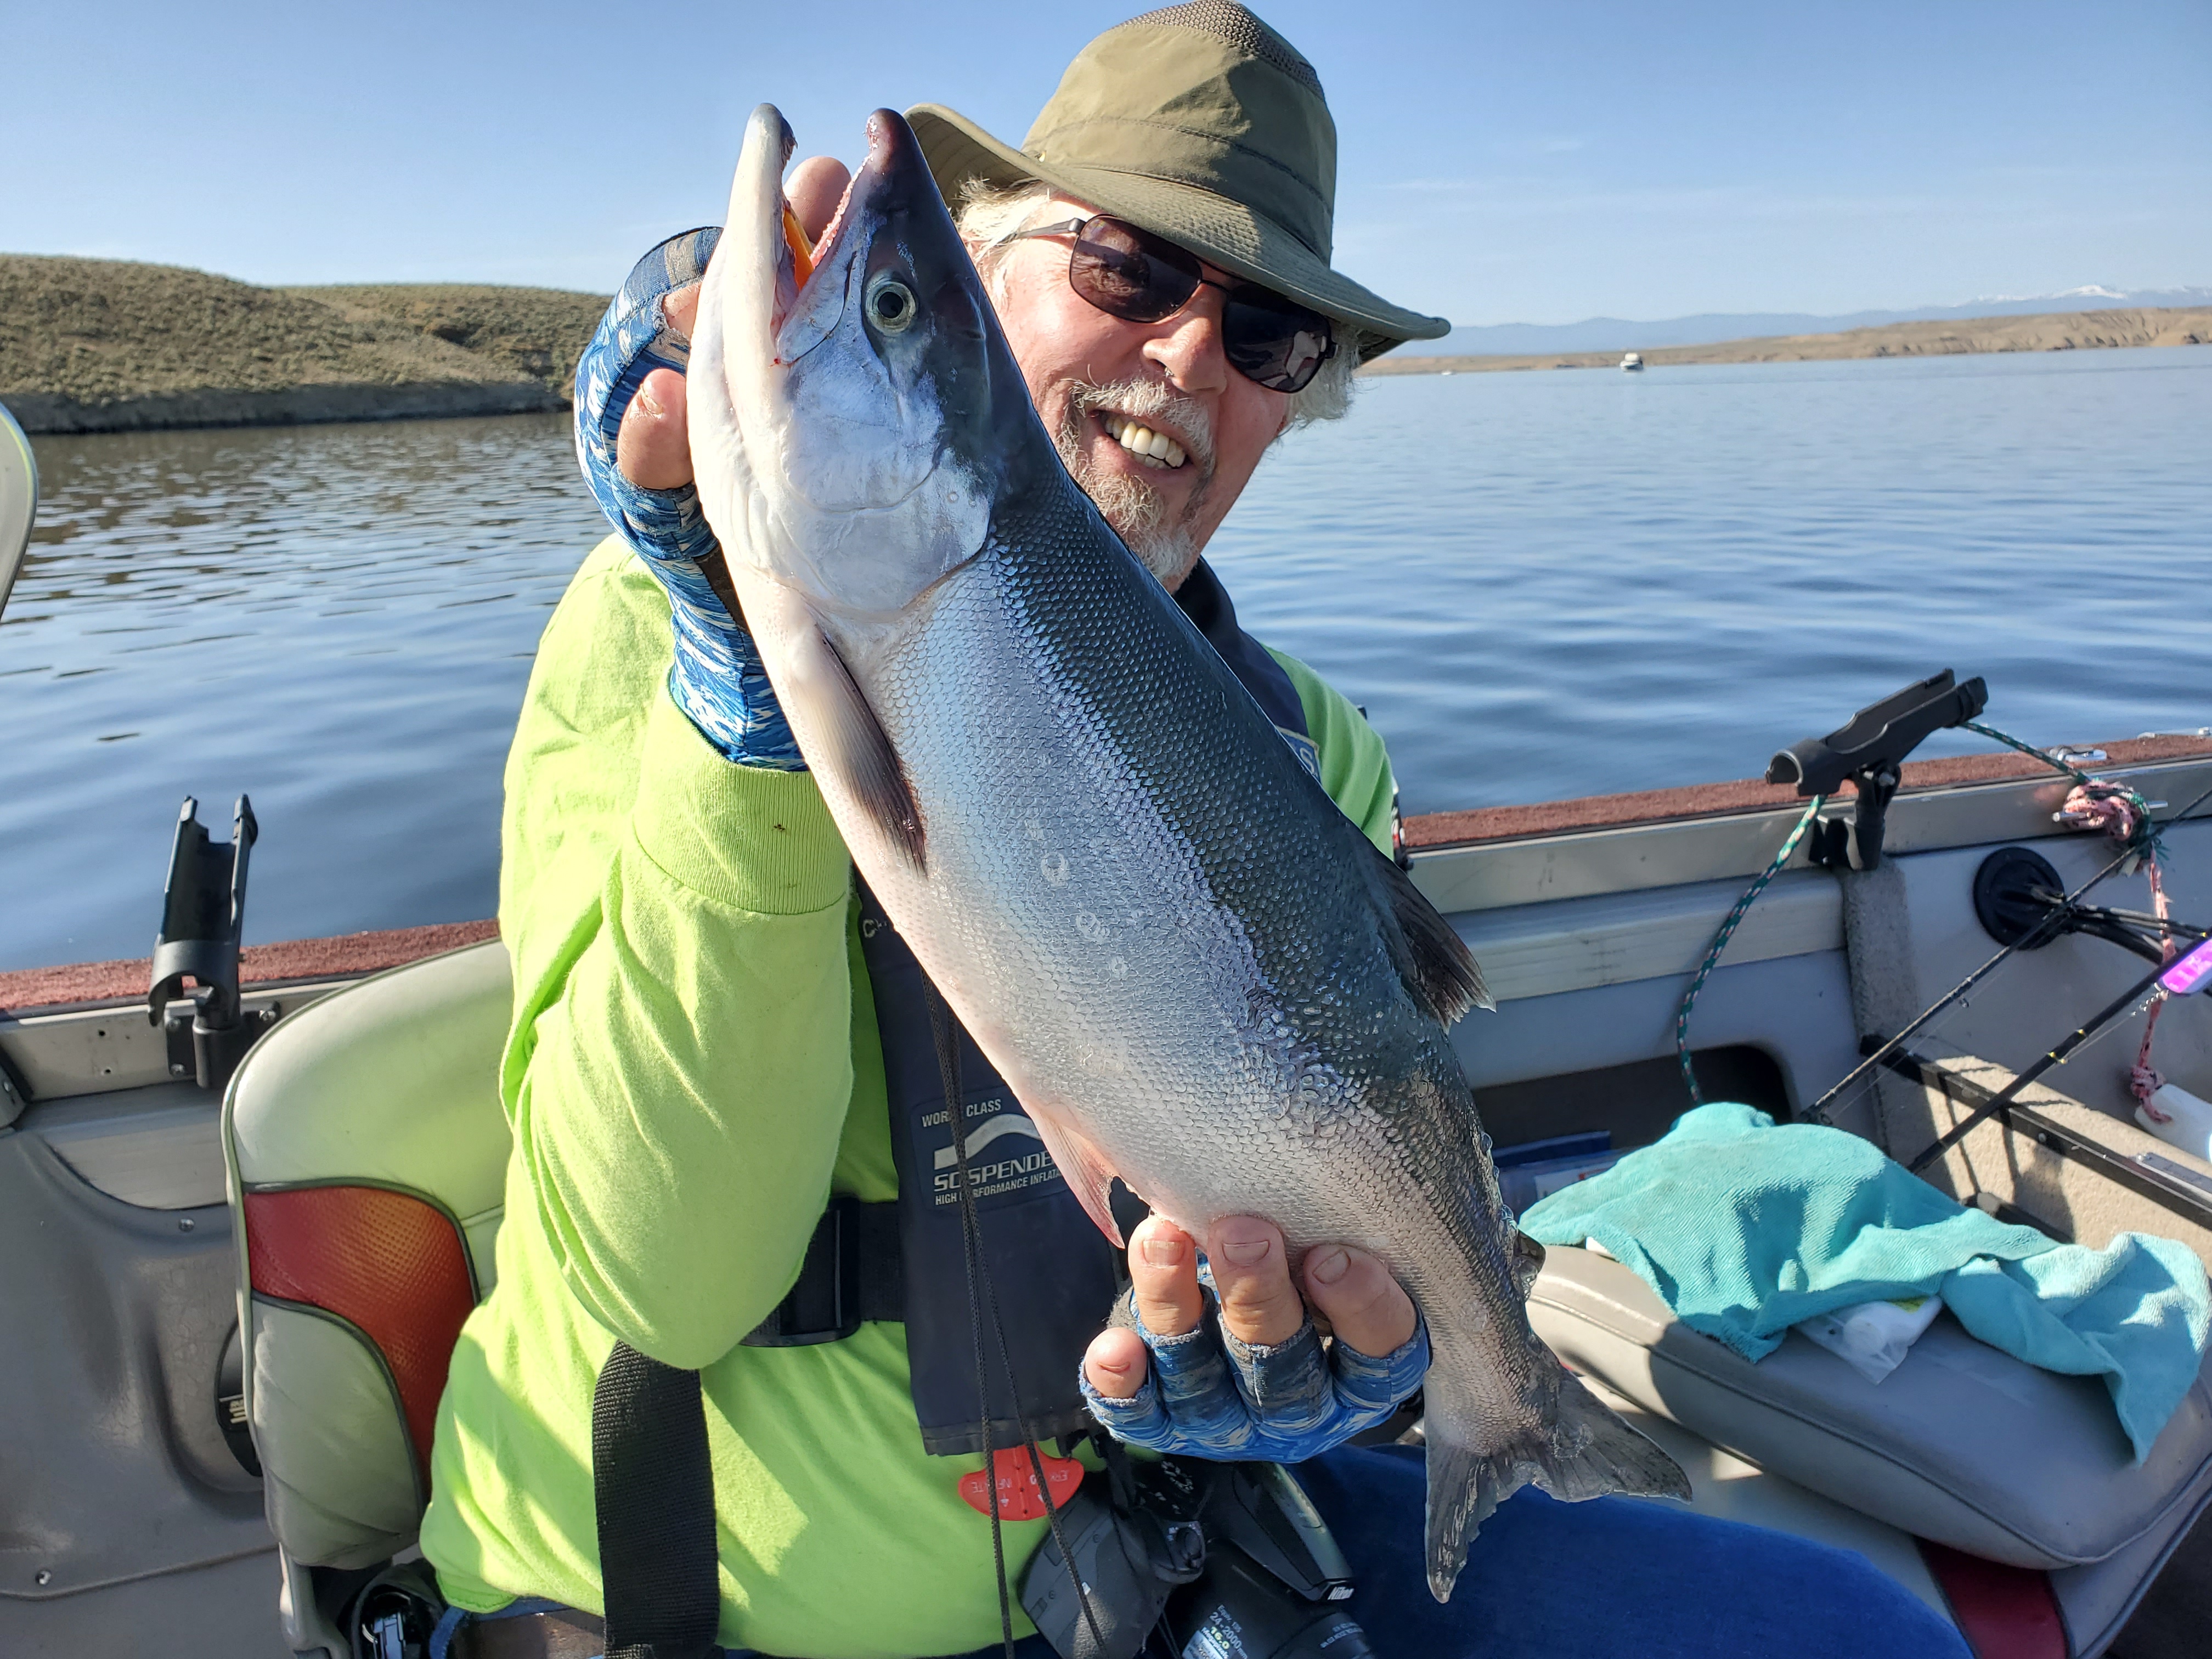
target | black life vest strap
x=855, y=1273
x=653, y=1483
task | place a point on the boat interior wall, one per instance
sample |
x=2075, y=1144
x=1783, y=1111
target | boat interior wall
x=1936, y=1448
x=116, y=1470
x=1590, y=979
x=1634, y=1103
x=388, y=1090
x=70, y=1053
x=1796, y=1010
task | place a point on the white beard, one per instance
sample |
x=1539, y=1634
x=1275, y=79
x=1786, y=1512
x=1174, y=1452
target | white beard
x=1132, y=507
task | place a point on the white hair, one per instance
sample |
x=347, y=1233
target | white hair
x=989, y=213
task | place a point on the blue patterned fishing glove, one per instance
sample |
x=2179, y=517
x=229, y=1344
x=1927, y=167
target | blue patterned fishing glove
x=1206, y=1394
x=716, y=679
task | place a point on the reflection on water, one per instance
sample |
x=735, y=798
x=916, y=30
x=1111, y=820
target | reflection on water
x=338, y=620
x=1539, y=585
x=1546, y=585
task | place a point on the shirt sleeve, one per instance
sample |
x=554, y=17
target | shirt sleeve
x=1355, y=766
x=678, y=1068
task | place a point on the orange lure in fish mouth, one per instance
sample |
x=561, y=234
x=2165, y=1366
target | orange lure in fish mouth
x=801, y=255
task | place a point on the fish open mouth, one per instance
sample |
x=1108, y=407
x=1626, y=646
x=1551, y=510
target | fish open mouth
x=801, y=258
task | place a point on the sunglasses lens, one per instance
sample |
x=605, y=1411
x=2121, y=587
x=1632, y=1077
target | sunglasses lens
x=1131, y=273
x=1271, y=340
x=1128, y=272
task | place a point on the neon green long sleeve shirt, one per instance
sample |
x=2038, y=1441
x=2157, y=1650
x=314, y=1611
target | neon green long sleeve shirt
x=693, y=1070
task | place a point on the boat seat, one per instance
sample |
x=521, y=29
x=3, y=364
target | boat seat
x=367, y=1153
x=1962, y=1444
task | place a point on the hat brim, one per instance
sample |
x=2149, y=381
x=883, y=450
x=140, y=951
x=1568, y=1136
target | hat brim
x=1225, y=234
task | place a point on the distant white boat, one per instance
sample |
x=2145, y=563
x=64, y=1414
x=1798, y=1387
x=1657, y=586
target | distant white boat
x=1632, y=363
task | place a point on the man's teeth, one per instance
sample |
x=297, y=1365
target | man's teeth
x=1156, y=446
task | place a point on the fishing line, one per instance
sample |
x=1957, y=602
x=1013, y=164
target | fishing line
x=1720, y=943
x=971, y=1234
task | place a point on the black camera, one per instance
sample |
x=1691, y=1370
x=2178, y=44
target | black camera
x=1186, y=1559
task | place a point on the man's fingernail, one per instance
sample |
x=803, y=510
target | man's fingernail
x=1328, y=1263
x=1163, y=1252
x=647, y=403
x=1246, y=1252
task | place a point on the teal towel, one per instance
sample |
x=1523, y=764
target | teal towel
x=1745, y=1228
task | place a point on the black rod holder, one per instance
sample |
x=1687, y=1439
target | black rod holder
x=203, y=921
x=1870, y=753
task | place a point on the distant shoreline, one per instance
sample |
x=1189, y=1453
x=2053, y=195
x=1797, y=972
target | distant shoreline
x=2066, y=331
x=106, y=345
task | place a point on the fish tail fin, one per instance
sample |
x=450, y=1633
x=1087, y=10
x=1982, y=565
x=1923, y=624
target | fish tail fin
x=1578, y=1451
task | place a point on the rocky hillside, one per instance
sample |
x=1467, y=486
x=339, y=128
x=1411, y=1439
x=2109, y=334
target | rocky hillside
x=94, y=345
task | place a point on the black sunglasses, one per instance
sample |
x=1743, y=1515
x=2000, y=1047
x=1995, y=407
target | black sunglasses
x=1131, y=273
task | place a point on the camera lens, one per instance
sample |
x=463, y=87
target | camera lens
x=1237, y=1610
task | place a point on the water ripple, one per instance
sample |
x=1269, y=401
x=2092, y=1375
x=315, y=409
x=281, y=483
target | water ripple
x=1539, y=585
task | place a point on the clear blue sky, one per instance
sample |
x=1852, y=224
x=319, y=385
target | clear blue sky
x=1499, y=162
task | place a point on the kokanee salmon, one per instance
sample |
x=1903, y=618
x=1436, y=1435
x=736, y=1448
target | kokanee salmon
x=1194, y=970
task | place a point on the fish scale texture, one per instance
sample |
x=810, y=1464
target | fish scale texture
x=1111, y=858
x=1177, y=950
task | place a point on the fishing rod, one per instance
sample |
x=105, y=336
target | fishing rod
x=2175, y=979
x=2042, y=931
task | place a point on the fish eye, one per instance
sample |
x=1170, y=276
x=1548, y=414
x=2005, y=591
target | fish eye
x=891, y=304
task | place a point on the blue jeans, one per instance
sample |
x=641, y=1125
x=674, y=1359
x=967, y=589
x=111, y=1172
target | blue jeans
x=1602, y=1580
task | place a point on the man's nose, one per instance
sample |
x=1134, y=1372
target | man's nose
x=1189, y=349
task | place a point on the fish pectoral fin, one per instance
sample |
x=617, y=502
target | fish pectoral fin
x=1088, y=1171
x=1438, y=968
x=862, y=755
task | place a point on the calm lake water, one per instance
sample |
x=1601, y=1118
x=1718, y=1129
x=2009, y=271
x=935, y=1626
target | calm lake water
x=1539, y=585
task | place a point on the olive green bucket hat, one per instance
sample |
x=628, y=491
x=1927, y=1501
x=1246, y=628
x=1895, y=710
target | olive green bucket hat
x=1199, y=124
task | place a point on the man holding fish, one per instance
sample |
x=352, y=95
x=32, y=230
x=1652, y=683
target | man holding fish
x=857, y=615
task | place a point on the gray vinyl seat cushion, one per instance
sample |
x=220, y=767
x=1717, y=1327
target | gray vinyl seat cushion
x=1962, y=1444
x=392, y=1083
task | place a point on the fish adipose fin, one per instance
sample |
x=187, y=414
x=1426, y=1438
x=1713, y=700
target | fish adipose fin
x=1586, y=1452
x=1089, y=1175
x=1439, y=969
x=864, y=756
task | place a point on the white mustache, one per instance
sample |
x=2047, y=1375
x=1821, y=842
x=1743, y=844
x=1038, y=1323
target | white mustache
x=1152, y=404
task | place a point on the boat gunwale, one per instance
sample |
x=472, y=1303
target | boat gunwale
x=96, y=986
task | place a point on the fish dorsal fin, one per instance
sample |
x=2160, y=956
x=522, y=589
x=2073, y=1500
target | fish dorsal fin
x=862, y=751
x=1439, y=969
x=1527, y=1259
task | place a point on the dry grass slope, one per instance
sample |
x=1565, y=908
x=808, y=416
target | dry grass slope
x=534, y=331
x=103, y=344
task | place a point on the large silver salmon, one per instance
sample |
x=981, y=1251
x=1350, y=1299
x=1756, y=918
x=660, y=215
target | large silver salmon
x=1192, y=969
